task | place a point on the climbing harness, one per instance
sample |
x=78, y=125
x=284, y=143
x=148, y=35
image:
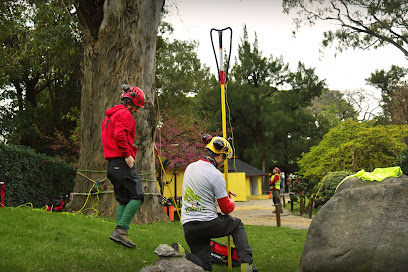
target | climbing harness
x=223, y=78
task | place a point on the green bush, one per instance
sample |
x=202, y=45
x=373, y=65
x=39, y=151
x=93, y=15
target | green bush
x=30, y=177
x=402, y=161
x=330, y=183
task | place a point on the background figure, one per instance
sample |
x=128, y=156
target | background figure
x=283, y=184
x=275, y=187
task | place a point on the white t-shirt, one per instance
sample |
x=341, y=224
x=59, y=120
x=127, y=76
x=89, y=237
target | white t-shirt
x=202, y=185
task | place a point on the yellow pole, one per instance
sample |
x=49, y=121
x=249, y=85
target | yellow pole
x=224, y=131
x=224, y=135
x=224, y=119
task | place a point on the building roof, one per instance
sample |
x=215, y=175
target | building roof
x=241, y=166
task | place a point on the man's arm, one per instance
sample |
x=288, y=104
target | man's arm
x=226, y=204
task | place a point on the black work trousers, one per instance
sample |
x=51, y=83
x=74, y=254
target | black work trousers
x=126, y=182
x=198, y=235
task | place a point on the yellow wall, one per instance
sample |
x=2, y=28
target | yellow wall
x=170, y=191
x=237, y=183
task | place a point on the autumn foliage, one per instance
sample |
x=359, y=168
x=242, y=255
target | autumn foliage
x=179, y=142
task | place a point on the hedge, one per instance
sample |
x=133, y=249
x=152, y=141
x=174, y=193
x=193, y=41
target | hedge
x=330, y=183
x=30, y=177
x=402, y=161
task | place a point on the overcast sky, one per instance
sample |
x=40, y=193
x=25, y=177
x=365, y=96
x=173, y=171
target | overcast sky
x=193, y=20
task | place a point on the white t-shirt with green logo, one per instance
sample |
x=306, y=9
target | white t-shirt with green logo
x=203, y=184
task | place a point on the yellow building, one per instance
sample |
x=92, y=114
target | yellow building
x=243, y=179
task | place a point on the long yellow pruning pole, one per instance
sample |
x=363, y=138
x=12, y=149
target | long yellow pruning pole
x=223, y=80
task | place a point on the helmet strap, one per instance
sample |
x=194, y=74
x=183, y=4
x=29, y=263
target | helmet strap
x=212, y=160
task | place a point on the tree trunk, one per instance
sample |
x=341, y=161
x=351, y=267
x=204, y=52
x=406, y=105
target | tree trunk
x=119, y=46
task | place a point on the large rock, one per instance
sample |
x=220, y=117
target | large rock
x=363, y=227
x=171, y=260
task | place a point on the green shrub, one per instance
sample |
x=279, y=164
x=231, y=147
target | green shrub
x=402, y=161
x=30, y=177
x=330, y=183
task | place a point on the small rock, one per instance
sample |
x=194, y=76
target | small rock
x=164, y=250
x=170, y=260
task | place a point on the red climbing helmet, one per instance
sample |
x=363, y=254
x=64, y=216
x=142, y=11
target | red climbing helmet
x=135, y=94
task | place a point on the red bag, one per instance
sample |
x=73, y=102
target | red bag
x=55, y=205
x=219, y=254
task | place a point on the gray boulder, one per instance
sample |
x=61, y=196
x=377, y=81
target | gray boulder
x=171, y=260
x=363, y=227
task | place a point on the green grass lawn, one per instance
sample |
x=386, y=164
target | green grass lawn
x=36, y=240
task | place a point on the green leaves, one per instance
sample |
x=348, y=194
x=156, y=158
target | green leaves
x=329, y=184
x=30, y=177
x=362, y=24
x=40, y=61
x=352, y=146
x=179, y=75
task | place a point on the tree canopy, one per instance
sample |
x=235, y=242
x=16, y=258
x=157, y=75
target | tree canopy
x=363, y=23
x=266, y=107
x=180, y=75
x=274, y=114
x=40, y=61
x=331, y=108
x=352, y=146
x=394, y=93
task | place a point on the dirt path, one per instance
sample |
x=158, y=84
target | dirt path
x=260, y=212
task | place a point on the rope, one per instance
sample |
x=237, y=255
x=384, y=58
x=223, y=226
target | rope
x=108, y=192
x=100, y=192
x=92, y=179
x=167, y=183
x=92, y=171
x=230, y=125
x=43, y=209
x=150, y=180
x=96, y=201
x=319, y=188
x=93, y=202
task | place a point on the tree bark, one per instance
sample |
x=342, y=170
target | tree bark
x=119, y=46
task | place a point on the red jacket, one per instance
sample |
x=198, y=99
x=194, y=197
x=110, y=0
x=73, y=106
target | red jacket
x=118, y=133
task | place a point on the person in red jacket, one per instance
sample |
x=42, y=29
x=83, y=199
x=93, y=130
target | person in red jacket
x=118, y=136
x=274, y=183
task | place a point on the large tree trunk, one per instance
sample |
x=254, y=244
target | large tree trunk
x=119, y=46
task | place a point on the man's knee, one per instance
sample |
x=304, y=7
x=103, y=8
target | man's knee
x=201, y=258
